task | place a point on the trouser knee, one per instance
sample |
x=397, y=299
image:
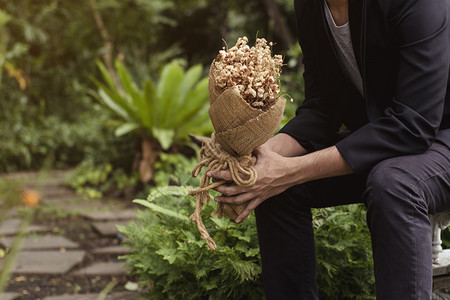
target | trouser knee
x=391, y=197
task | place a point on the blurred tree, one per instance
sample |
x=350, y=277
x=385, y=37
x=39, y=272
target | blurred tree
x=53, y=45
x=66, y=37
x=201, y=25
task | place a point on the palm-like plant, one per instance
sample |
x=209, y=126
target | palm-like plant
x=162, y=114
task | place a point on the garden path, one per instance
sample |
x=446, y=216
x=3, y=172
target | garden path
x=70, y=249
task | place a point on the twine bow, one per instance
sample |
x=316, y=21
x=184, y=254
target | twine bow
x=214, y=158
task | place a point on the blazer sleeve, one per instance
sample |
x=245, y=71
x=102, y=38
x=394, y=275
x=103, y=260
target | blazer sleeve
x=411, y=123
x=314, y=125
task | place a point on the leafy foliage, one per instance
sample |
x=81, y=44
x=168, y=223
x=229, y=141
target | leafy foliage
x=174, y=169
x=169, y=254
x=344, y=256
x=51, y=47
x=167, y=112
x=29, y=143
x=97, y=180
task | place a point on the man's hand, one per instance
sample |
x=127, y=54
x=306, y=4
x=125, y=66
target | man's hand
x=272, y=180
x=277, y=173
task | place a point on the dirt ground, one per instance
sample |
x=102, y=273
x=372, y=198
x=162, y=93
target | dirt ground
x=77, y=229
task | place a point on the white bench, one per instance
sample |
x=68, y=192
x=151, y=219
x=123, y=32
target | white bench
x=441, y=258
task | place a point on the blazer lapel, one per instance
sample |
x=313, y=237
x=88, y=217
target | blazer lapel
x=355, y=11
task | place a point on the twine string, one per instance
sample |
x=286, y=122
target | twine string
x=214, y=158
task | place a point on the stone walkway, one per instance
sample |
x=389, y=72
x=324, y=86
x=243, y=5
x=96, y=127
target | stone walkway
x=45, y=252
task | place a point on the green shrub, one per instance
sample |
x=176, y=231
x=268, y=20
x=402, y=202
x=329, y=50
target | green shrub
x=174, y=169
x=344, y=256
x=98, y=180
x=169, y=254
x=29, y=141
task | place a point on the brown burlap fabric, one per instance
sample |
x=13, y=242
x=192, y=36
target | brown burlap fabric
x=240, y=129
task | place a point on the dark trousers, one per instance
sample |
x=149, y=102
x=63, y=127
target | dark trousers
x=399, y=193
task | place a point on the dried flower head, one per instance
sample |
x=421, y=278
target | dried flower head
x=252, y=69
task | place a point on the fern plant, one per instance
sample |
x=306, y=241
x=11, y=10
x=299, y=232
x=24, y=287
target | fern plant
x=169, y=255
x=162, y=114
x=344, y=256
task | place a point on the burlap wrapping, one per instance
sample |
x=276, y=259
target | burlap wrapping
x=239, y=129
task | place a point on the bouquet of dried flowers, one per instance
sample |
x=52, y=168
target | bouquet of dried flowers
x=252, y=70
x=245, y=110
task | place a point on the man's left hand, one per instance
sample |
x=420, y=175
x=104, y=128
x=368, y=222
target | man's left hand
x=271, y=170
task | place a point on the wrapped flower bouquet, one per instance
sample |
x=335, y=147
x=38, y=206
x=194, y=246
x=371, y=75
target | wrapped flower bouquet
x=245, y=110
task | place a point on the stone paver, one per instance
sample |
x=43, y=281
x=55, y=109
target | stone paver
x=11, y=213
x=58, y=195
x=9, y=296
x=55, y=254
x=74, y=297
x=61, y=199
x=42, y=242
x=108, y=228
x=103, y=268
x=11, y=227
x=80, y=206
x=114, y=250
x=47, y=262
x=114, y=296
x=110, y=215
x=55, y=192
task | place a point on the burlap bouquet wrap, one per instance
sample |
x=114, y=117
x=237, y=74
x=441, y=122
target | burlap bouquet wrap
x=239, y=129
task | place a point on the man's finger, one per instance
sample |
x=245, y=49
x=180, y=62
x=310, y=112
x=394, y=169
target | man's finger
x=241, y=198
x=223, y=175
x=251, y=206
x=229, y=190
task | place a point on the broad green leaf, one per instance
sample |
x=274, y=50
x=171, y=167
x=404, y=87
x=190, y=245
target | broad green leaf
x=131, y=92
x=126, y=128
x=115, y=95
x=151, y=103
x=104, y=97
x=107, y=77
x=195, y=100
x=164, y=136
x=168, y=190
x=128, y=84
x=133, y=95
x=168, y=89
x=199, y=124
x=191, y=77
x=162, y=210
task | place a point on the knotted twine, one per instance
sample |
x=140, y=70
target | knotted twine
x=214, y=158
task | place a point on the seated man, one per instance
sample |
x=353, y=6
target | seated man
x=381, y=68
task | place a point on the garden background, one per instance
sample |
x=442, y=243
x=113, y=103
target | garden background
x=111, y=89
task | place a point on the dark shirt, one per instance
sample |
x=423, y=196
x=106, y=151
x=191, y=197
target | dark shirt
x=403, y=53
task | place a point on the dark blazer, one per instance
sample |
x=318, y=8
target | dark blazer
x=403, y=53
